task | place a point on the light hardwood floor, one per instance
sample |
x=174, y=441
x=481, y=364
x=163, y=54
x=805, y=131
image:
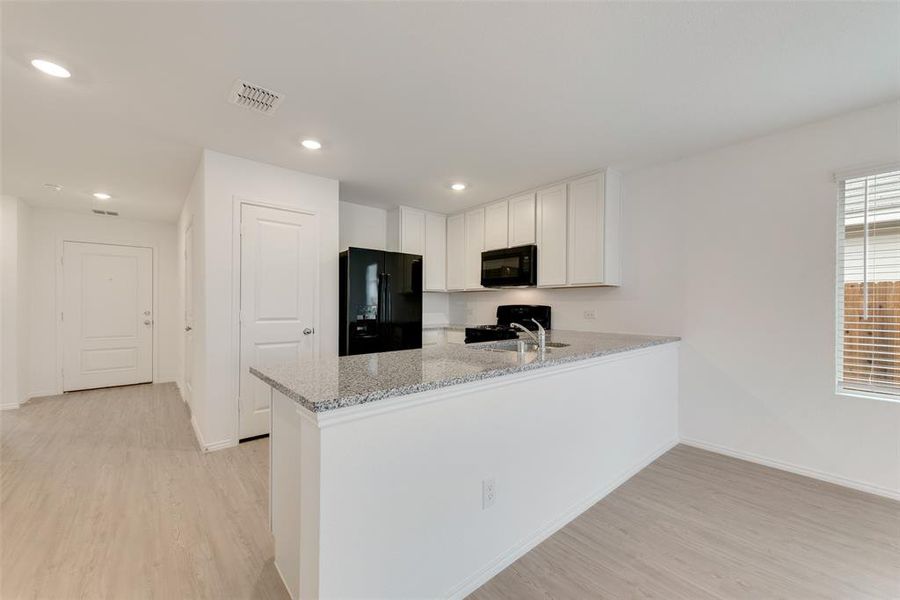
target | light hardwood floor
x=105, y=494
x=699, y=525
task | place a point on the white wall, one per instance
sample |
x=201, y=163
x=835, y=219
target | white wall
x=225, y=180
x=23, y=253
x=362, y=226
x=193, y=385
x=48, y=229
x=10, y=384
x=735, y=251
x=758, y=358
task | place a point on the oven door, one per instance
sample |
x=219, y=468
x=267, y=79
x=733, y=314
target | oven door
x=509, y=267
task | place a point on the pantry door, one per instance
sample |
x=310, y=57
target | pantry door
x=279, y=287
x=107, y=315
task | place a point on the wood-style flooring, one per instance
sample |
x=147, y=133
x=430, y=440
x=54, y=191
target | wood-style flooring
x=698, y=525
x=105, y=494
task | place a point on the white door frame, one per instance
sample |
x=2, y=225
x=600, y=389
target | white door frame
x=60, y=302
x=236, y=203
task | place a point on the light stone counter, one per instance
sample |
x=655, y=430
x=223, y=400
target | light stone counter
x=327, y=383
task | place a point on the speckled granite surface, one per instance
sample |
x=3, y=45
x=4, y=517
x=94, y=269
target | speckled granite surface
x=328, y=383
x=450, y=327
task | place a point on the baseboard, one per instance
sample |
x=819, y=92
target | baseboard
x=283, y=582
x=220, y=445
x=42, y=393
x=472, y=583
x=10, y=405
x=796, y=469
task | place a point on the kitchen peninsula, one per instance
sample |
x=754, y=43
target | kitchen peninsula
x=422, y=473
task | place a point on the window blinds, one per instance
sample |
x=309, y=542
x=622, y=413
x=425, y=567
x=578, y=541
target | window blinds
x=868, y=284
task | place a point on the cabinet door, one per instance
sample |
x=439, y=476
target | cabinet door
x=412, y=231
x=586, y=230
x=521, y=220
x=551, y=236
x=496, y=226
x=456, y=252
x=435, y=252
x=474, y=246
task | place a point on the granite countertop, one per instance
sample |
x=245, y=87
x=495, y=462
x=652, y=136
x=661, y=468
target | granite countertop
x=448, y=327
x=326, y=383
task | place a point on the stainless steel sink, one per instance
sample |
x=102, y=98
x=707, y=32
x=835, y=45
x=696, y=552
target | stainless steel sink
x=519, y=346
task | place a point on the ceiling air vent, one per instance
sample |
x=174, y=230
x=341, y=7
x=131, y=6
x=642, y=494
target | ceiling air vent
x=111, y=213
x=255, y=97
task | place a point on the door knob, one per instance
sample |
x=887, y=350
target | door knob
x=147, y=321
x=188, y=328
x=308, y=331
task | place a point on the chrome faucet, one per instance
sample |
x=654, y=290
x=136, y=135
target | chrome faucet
x=540, y=339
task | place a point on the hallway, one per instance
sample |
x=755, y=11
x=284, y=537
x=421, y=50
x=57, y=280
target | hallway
x=106, y=494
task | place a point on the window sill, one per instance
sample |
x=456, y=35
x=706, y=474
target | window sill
x=867, y=395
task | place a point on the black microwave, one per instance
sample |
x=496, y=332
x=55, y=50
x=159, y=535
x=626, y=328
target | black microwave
x=509, y=267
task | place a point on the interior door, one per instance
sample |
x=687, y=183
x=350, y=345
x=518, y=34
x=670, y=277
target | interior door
x=107, y=315
x=279, y=287
x=188, y=312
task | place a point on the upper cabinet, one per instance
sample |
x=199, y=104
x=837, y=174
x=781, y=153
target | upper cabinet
x=521, y=220
x=474, y=248
x=412, y=231
x=415, y=231
x=575, y=225
x=552, y=228
x=456, y=252
x=593, y=230
x=435, y=252
x=496, y=225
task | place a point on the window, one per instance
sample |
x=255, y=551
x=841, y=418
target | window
x=868, y=284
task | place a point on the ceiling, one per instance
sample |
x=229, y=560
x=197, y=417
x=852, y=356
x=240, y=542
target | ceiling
x=409, y=97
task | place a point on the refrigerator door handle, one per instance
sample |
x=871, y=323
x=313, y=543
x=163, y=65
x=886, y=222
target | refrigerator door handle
x=379, y=313
x=387, y=297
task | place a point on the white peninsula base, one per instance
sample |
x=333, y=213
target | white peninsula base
x=386, y=499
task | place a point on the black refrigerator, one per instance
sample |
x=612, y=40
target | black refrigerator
x=381, y=301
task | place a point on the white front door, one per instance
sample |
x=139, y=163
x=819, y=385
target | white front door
x=107, y=315
x=279, y=287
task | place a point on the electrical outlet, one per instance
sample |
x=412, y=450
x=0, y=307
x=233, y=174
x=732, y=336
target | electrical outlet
x=590, y=314
x=488, y=493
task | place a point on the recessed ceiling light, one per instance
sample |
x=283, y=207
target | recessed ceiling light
x=311, y=144
x=458, y=187
x=50, y=68
x=53, y=186
x=102, y=196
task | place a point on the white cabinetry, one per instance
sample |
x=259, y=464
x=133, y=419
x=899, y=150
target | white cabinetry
x=521, y=220
x=593, y=230
x=435, y=252
x=474, y=247
x=415, y=231
x=552, y=225
x=456, y=252
x=496, y=225
x=412, y=231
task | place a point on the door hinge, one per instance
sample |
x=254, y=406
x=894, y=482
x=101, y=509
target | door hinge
x=62, y=316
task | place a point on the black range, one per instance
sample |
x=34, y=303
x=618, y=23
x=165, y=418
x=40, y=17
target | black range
x=506, y=314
